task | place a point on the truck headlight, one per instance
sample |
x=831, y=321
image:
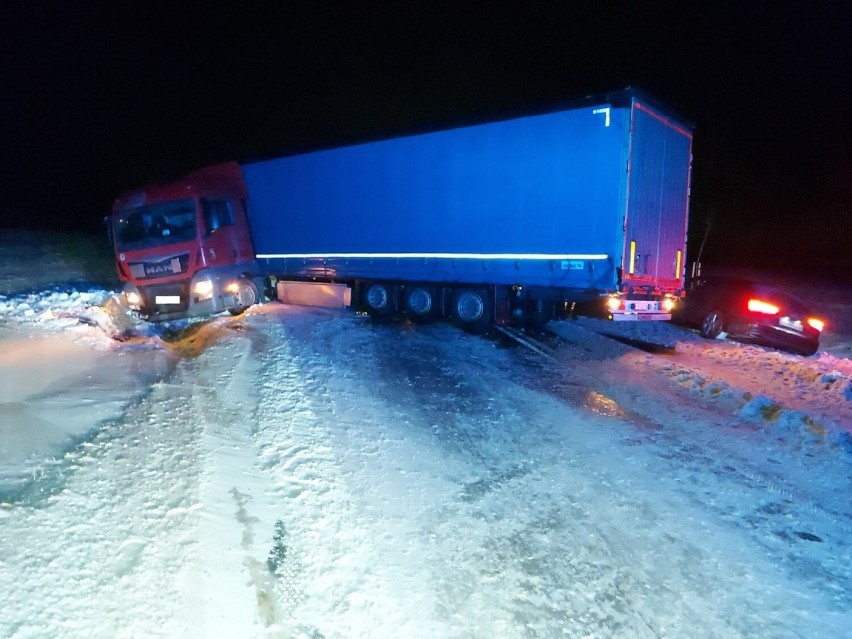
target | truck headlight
x=133, y=298
x=203, y=290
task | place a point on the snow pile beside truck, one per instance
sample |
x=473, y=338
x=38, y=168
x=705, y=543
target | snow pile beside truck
x=521, y=220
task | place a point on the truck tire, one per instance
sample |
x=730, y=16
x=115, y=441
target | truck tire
x=247, y=296
x=472, y=309
x=422, y=304
x=539, y=315
x=378, y=299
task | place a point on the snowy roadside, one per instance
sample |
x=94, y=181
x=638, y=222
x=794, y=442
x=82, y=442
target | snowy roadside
x=808, y=397
x=63, y=376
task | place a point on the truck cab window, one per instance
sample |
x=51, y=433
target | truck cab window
x=154, y=225
x=217, y=213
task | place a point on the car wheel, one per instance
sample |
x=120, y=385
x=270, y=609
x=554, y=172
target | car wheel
x=712, y=325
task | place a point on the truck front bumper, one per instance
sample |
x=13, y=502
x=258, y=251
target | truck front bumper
x=180, y=300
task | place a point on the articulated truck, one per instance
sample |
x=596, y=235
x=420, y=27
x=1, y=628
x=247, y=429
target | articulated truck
x=516, y=221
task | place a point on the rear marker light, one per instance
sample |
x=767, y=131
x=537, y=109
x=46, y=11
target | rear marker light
x=759, y=306
x=816, y=324
x=631, y=267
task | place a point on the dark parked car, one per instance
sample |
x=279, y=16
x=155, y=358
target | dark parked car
x=750, y=312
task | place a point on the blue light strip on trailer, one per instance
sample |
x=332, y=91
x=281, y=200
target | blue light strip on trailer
x=444, y=256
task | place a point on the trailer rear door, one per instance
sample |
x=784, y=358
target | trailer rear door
x=658, y=200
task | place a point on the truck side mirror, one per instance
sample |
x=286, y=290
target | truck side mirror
x=108, y=228
x=213, y=224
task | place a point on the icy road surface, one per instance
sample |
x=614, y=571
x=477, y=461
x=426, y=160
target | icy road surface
x=305, y=473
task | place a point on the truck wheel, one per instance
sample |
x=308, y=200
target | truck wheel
x=539, y=315
x=712, y=325
x=247, y=296
x=472, y=309
x=378, y=299
x=422, y=304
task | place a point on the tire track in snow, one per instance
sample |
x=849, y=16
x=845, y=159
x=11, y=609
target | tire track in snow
x=314, y=447
x=236, y=586
x=482, y=508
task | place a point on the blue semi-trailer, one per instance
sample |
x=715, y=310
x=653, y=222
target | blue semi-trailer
x=521, y=220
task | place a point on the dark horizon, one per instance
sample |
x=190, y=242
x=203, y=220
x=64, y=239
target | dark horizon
x=97, y=102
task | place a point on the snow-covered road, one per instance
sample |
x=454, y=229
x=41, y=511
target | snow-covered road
x=305, y=473
x=301, y=472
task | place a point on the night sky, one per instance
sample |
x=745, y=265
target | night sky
x=100, y=97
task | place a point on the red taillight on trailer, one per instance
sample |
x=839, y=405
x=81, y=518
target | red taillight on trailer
x=759, y=306
x=816, y=324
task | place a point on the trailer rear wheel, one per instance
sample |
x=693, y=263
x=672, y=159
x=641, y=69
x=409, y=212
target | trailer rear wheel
x=472, y=309
x=378, y=299
x=421, y=304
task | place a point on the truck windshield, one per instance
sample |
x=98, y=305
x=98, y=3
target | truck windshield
x=154, y=225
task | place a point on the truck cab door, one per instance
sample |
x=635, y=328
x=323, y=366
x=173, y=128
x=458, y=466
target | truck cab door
x=225, y=239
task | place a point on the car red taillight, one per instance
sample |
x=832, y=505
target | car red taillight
x=816, y=324
x=759, y=306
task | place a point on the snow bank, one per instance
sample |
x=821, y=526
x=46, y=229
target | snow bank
x=63, y=375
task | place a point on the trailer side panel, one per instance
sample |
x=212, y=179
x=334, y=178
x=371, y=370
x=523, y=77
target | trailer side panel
x=530, y=201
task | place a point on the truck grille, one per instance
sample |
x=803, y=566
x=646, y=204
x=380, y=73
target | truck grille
x=172, y=265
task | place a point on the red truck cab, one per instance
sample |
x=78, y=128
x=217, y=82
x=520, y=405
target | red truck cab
x=184, y=249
